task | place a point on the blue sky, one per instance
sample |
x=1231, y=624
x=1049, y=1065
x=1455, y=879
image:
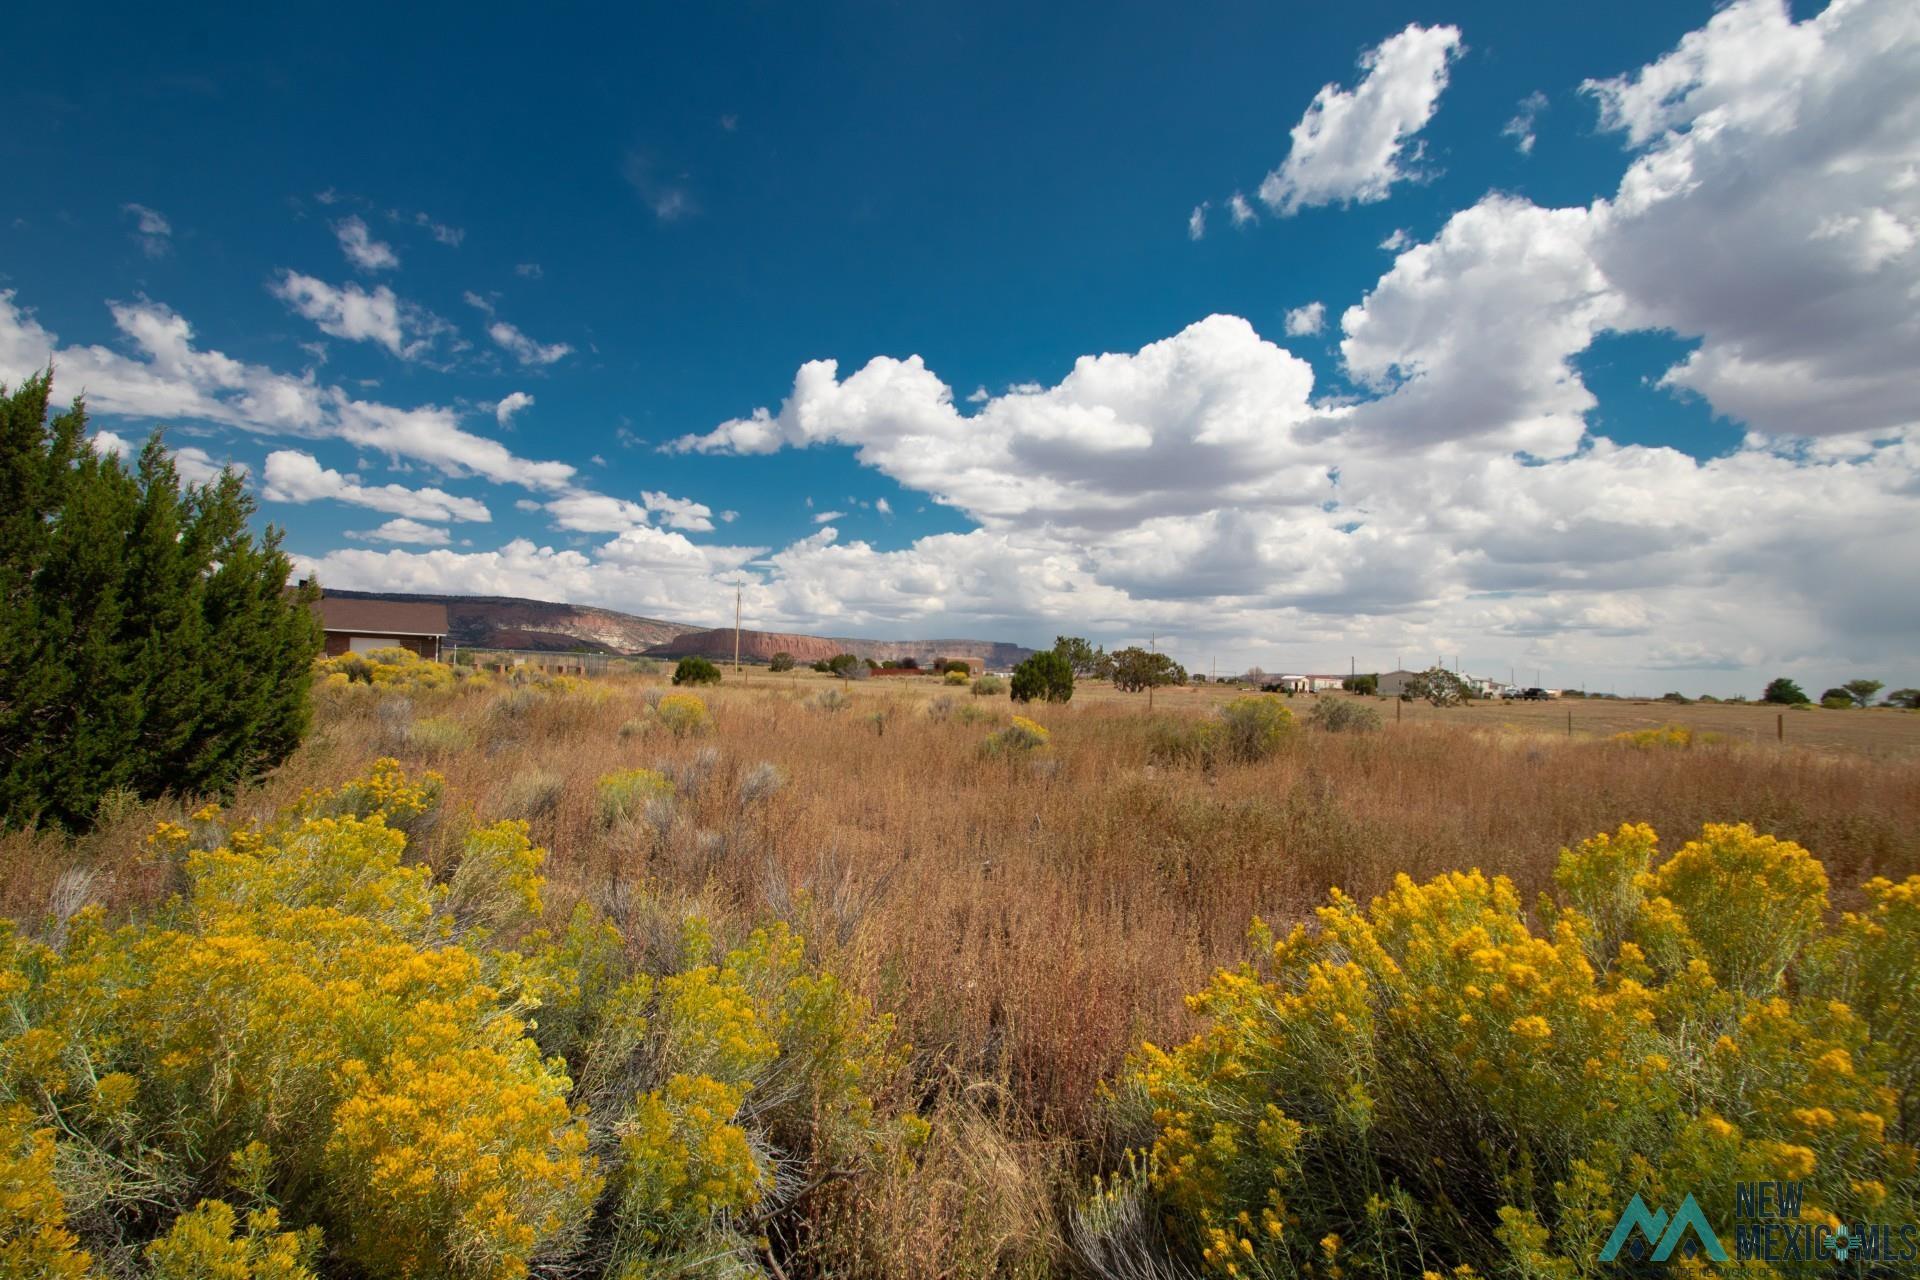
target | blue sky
x=422, y=253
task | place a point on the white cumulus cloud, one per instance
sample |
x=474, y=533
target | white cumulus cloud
x=583, y=511
x=525, y=349
x=679, y=513
x=1773, y=210
x=170, y=378
x=511, y=404
x=1351, y=146
x=359, y=315
x=1307, y=320
x=294, y=476
x=401, y=529
x=1204, y=487
x=1520, y=127
x=151, y=230
x=362, y=250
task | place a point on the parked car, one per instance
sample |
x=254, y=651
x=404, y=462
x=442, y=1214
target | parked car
x=1533, y=695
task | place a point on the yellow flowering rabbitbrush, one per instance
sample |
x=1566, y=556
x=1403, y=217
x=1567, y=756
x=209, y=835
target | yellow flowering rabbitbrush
x=759, y=1031
x=1018, y=738
x=315, y=1034
x=683, y=1163
x=1432, y=1082
x=34, y=1239
x=462, y=1160
x=307, y=997
x=1253, y=726
x=202, y=1243
x=394, y=668
x=1673, y=737
x=626, y=793
x=385, y=789
x=1247, y=730
x=684, y=714
x=497, y=884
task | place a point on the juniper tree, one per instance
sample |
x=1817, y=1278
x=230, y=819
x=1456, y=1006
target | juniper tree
x=1045, y=676
x=1782, y=690
x=1084, y=658
x=148, y=640
x=1135, y=669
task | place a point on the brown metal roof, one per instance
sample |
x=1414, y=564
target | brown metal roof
x=383, y=617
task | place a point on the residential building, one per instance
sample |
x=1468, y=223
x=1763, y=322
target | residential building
x=1306, y=683
x=1394, y=683
x=360, y=626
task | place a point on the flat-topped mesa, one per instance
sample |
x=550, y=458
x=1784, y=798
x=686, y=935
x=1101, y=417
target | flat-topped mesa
x=760, y=646
x=511, y=622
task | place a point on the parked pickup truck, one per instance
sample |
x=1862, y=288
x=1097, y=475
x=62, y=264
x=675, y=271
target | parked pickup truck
x=1532, y=695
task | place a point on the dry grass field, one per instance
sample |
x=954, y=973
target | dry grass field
x=1030, y=920
x=1878, y=731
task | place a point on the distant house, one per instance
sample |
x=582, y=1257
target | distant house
x=1306, y=683
x=1394, y=683
x=360, y=626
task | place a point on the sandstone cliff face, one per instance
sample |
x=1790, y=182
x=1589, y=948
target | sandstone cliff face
x=506, y=622
x=759, y=646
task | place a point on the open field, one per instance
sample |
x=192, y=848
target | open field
x=1030, y=921
x=1876, y=731
x=1036, y=918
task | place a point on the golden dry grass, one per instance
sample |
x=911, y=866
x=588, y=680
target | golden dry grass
x=1031, y=920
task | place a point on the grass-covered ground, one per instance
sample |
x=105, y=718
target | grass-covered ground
x=1028, y=917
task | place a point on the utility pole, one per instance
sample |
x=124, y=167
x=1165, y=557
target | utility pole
x=736, y=631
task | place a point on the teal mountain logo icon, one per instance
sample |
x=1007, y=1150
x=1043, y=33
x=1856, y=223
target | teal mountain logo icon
x=1660, y=1233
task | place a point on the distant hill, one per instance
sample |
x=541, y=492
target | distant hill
x=758, y=646
x=508, y=622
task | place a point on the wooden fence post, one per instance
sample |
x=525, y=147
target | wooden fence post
x=1780, y=726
